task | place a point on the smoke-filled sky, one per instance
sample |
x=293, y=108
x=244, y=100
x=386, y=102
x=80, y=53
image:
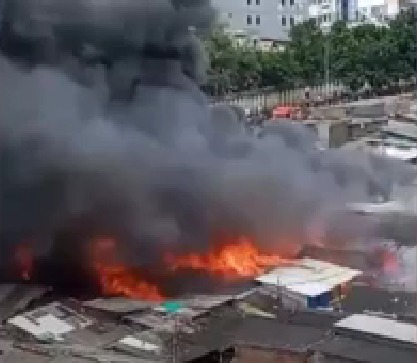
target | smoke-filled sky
x=153, y=163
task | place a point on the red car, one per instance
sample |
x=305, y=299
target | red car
x=288, y=112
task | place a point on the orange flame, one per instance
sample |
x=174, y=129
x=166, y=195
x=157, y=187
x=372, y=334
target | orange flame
x=116, y=279
x=24, y=259
x=233, y=259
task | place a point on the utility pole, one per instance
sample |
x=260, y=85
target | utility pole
x=326, y=58
x=175, y=340
x=327, y=61
x=414, y=15
x=325, y=29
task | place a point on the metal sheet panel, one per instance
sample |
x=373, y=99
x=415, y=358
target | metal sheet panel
x=15, y=298
x=309, y=277
x=386, y=328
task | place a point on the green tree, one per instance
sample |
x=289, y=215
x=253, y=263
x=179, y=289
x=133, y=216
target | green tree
x=233, y=66
x=248, y=67
x=345, y=57
x=277, y=70
x=362, y=55
x=306, y=50
x=403, y=31
x=222, y=59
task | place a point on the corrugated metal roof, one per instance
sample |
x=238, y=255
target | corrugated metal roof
x=158, y=322
x=361, y=298
x=404, y=129
x=402, y=154
x=375, y=325
x=118, y=305
x=16, y=297
x=357, y=350
x=270, y=333
x=60, y=353
x=309, y=277
x=386, y=207
x=50, y=321
x=146, y=344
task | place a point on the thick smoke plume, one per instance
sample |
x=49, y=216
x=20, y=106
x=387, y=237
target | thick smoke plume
x=103, y=129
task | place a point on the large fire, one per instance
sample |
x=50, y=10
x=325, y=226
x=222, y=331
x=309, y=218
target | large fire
x=116, y=279
x=231, y=259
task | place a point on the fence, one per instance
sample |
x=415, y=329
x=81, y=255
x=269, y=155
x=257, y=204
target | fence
x=266, y=100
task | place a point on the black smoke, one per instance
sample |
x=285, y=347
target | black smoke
x=103, y=130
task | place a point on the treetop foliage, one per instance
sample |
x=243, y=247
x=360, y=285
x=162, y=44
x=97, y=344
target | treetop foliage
x=364, y=55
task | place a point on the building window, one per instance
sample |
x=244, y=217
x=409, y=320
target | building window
x=258, y=20
x=291, y=21
x=249, y=20
x=284, y=21
x=258, y=2
x=229, y=15
x=283, y=2
x=291, y=2
x=249, y=2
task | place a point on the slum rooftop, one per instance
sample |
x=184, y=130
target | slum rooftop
x=36, y=327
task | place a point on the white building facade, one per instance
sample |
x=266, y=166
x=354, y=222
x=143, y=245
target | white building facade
x=273, y=19
x=264, y=19
x=377, y=12
x=326, y=12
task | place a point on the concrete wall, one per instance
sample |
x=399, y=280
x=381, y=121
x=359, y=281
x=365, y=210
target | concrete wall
x=338, y=134
x=367, y=110
x=261, y=355
x=292, y=300
x=332, y=134
x=330, y=112
x=358, y=129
